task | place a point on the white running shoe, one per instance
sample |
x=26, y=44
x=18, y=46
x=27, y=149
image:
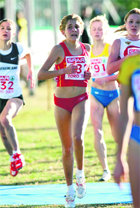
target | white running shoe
x=80, y=187
x=106, y=176
x=70, y=200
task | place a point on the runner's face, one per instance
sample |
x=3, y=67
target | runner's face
x=73, y=30
x=97, y=30
x=133, y=24
x=6, y=31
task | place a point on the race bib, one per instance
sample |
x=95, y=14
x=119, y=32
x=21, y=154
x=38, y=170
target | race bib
x=7, y=84
x=81, y=63
x=133, y=50
x=98, y=67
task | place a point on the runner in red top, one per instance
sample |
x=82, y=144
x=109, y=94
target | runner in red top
x=71, y=99
x=76, y=79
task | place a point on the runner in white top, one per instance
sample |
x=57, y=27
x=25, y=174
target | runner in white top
x=127, y=45
x=11, y=99
x=10, y=71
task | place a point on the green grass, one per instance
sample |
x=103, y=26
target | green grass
x=41, y=147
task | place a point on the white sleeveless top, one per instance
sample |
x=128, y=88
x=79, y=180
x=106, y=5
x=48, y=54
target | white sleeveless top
x=10, y=72
x=128, y=47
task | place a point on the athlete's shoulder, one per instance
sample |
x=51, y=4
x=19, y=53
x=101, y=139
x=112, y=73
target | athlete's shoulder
x=117, y=41
x=57, y=48
x=18, y=44
x=57, y=51
x=87, y=46
x=107, y=47
x=108, y=44
x=20, y=47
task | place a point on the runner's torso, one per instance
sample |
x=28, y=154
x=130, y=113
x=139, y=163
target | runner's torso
x=128, y=47
x=9, y=73
x=98, y=69
x=69, y=85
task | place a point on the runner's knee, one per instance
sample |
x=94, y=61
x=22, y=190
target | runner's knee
x=5, y=121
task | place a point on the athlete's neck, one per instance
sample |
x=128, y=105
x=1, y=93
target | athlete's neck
x=72, y=45
x=135, y=37
x=99, y=43
x=5, y=45
x=98, y=47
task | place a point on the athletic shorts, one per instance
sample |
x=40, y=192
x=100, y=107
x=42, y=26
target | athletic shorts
x=135, y=133
x=135, y=80
x=69, y=103
x=105, y=97
x=4, y=101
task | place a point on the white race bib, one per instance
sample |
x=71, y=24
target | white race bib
x=81, y=63
x=7, y=84
x=98, y=67
x=9, y=81
x=133, y=50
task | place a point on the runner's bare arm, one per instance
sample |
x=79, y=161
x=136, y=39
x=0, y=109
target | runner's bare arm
x=114, y=60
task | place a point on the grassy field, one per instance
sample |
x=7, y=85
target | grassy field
x=41, y=147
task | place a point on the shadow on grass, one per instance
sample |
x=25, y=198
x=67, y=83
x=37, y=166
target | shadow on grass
x=37, y=129
x=40, y=148
x=40, y=128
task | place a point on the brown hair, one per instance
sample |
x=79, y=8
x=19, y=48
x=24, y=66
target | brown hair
x=65, y=19
x=132, y=11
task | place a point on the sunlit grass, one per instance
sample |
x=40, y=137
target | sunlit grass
x=41, y=146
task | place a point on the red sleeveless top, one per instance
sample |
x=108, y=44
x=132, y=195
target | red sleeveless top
x=82, y=61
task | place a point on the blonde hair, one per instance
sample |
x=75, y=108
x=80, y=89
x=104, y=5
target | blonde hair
x=12, y=23
x=132, y=11
x=65, y=20
x=100, y=18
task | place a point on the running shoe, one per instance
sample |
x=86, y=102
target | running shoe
x=70, y=200
x=13, y=170
x=80, y=187
x=19, y=161
x=106, y=176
